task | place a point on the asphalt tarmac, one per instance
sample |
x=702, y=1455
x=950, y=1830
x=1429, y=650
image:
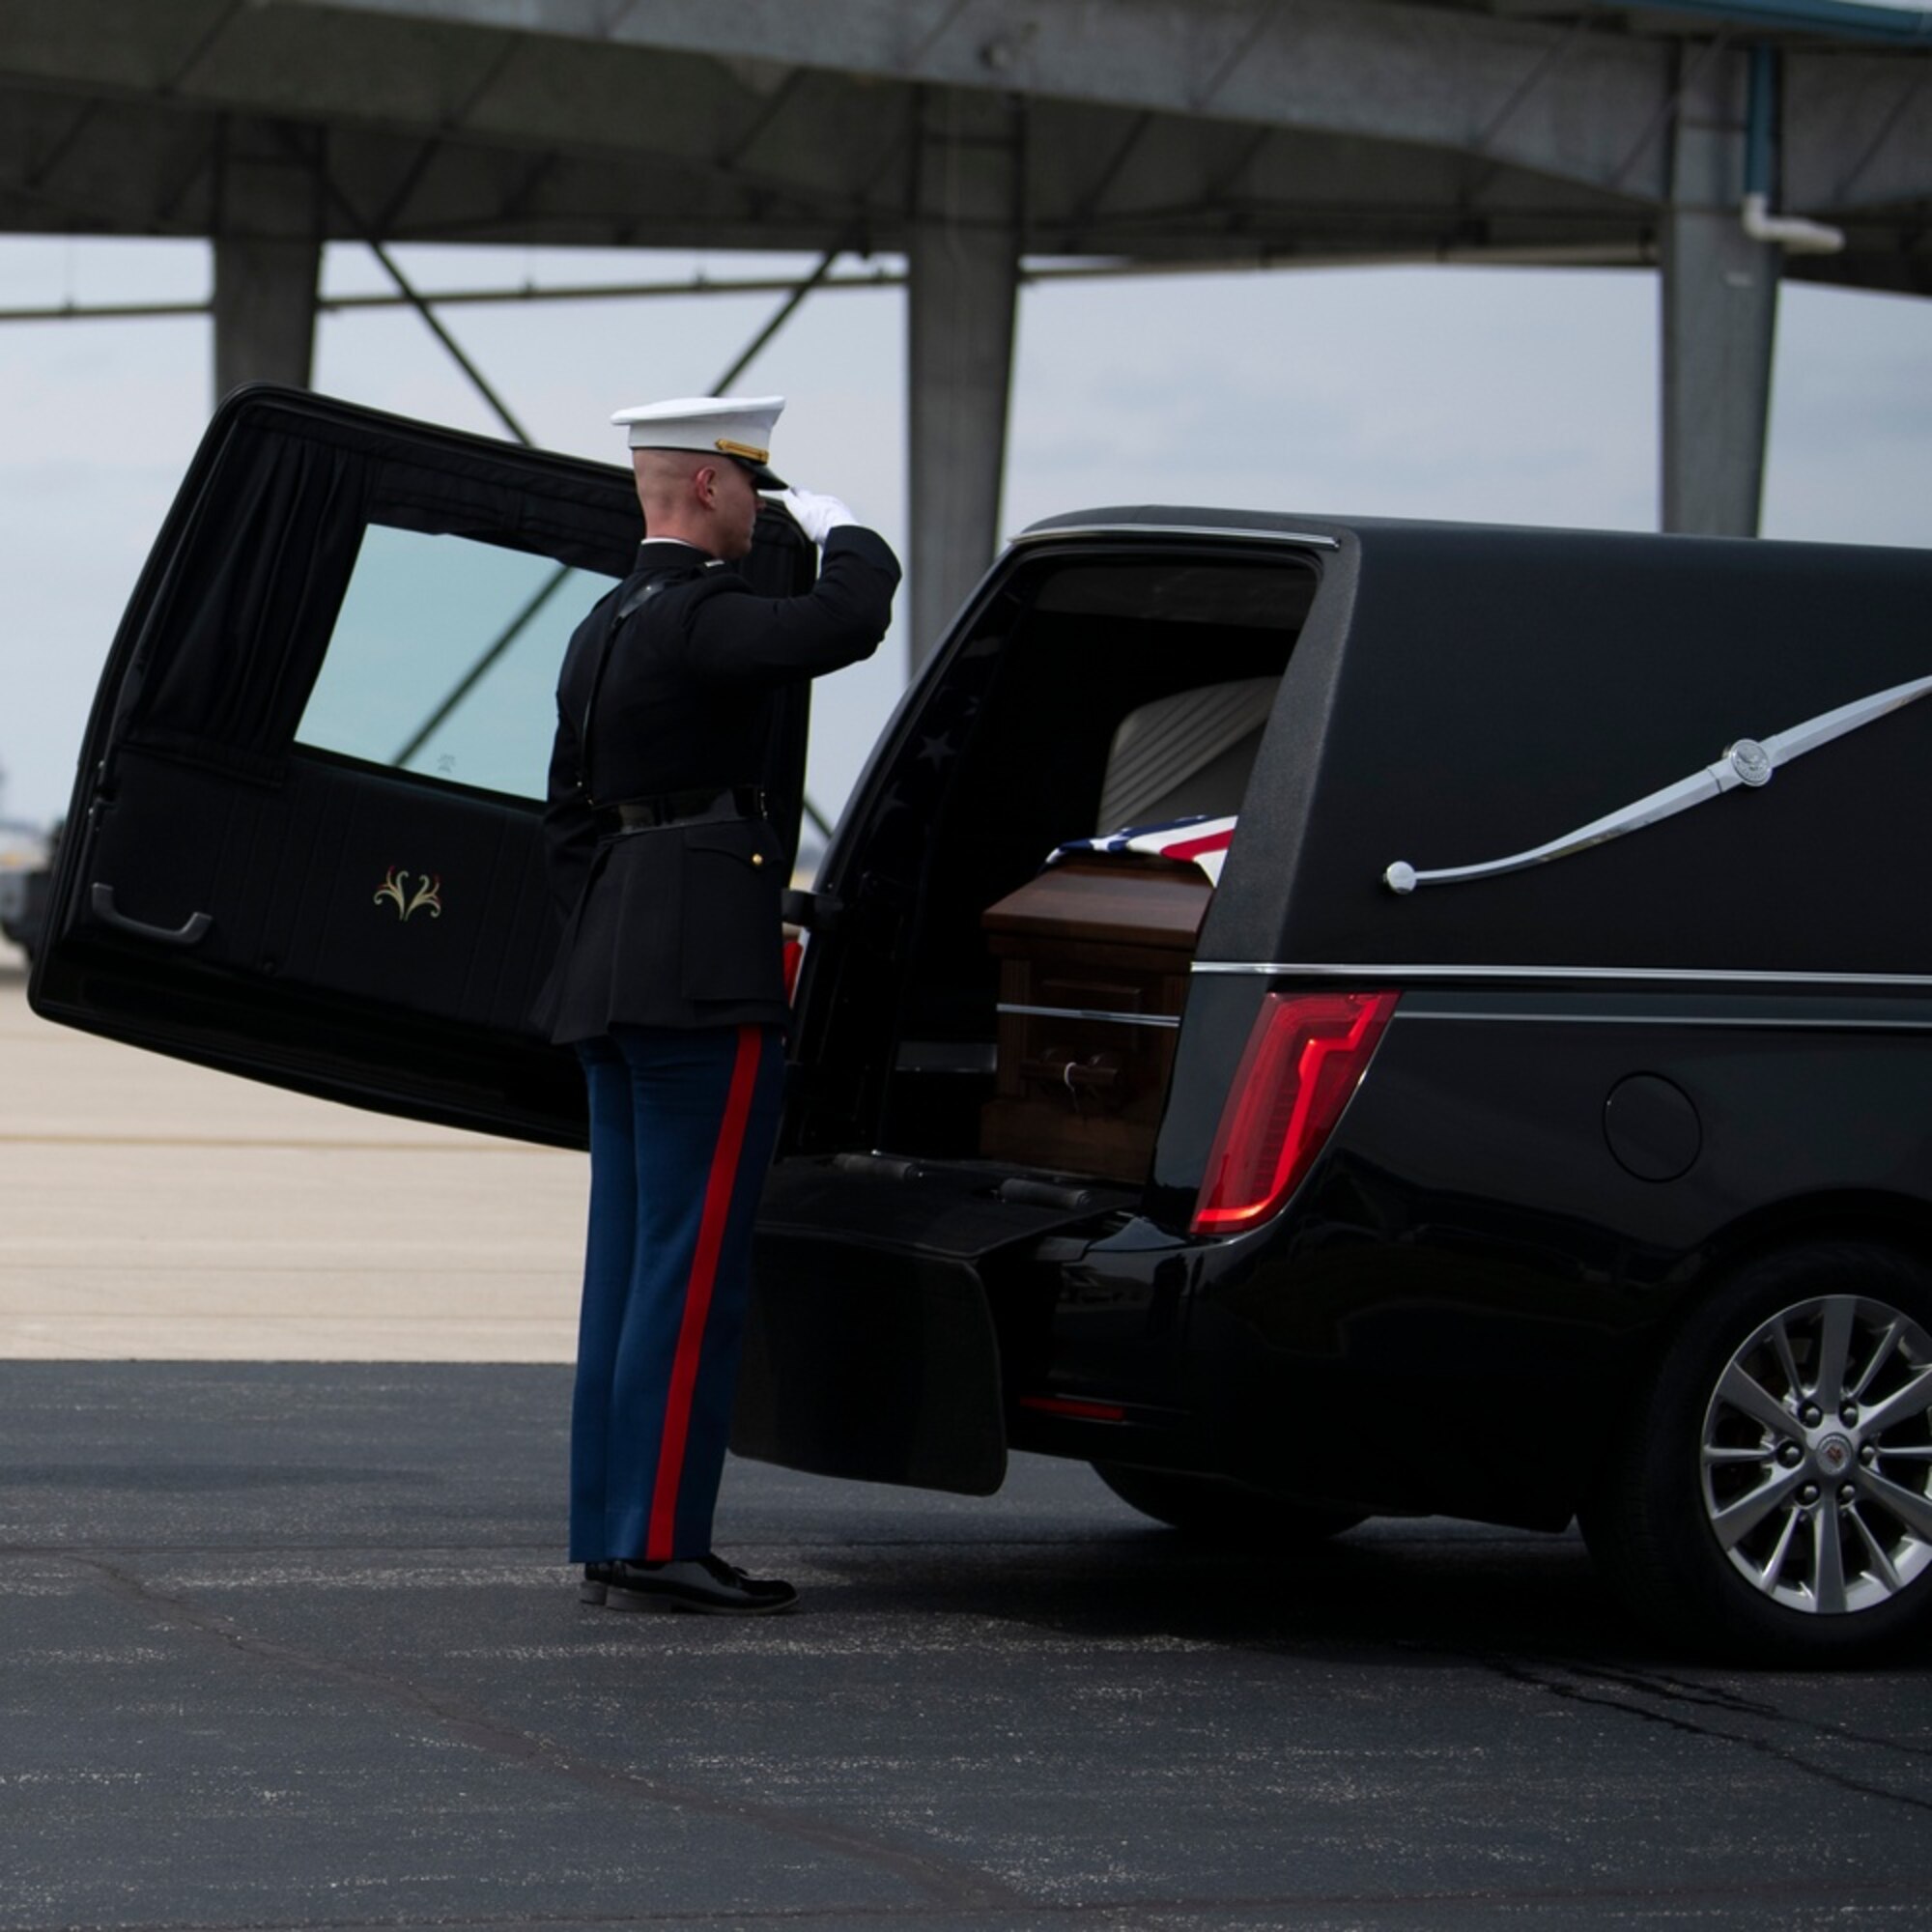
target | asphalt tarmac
x=289, y=1643
x=292, y=1646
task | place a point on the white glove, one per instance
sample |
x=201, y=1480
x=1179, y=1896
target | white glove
x=817, y=516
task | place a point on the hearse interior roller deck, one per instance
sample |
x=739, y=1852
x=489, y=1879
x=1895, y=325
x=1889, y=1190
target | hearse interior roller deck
x=1319, y=1018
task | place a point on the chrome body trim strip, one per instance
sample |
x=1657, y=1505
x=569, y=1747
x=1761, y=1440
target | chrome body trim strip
x=1384, y=974
x=1745, y=762
x=1092, y=1013
x=1763, y=1023
x=1065, y=530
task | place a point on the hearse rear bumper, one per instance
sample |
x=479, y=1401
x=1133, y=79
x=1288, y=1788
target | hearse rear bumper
x=911, y=1326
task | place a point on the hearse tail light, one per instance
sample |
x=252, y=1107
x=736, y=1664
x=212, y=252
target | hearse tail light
x=1304, y=1059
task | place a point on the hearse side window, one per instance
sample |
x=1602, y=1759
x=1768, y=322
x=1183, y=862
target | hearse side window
x=443, y=660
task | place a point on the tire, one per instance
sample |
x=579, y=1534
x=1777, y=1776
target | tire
x=1222, y=1512
x=1770, y=1500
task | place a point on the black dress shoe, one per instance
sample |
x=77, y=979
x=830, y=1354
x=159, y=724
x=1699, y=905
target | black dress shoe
x=596, y=1581
x=706, y=1583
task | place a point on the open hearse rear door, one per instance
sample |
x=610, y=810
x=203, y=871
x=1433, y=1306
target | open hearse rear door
x=989, y=1061
x=304, y=841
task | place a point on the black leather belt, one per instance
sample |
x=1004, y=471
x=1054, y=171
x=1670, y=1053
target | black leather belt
x=685, y=808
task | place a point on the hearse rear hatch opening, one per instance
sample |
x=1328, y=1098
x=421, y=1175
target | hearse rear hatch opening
x=1009, y=977
x=989, y=1022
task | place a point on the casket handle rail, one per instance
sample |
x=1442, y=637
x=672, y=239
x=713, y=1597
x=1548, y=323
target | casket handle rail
x=1749, y=763
x=1098, y=1075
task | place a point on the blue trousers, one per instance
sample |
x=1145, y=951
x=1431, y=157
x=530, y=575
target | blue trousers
x=682, y=1124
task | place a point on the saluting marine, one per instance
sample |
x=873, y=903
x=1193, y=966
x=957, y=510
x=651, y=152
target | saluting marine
x=670, y=977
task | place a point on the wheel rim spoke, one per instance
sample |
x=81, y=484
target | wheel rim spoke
x=1827, y=1560
x=1880, y=1354
x=1745, y=1393
x=1767, y=1576
x=1736, y=1520
x=1910, y=1506
x=1879, y=1557
x=1914, y=1398
x=1787, y=1358
x=1835, y=1349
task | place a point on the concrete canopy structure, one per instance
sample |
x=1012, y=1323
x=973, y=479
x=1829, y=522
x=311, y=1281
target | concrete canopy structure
x=975, y=136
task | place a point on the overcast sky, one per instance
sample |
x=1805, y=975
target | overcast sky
x=1487, y=394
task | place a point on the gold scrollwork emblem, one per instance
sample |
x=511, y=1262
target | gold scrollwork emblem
x=424, y=897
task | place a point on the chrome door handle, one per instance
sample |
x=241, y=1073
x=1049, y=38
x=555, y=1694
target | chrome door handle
x=191, y=934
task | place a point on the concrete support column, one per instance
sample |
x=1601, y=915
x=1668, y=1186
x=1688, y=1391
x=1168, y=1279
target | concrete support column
x=1719, y=293
x=268, y=255
x=964, y=282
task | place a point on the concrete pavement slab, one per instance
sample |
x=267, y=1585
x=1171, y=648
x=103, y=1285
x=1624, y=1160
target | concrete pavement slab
x=157, y=1210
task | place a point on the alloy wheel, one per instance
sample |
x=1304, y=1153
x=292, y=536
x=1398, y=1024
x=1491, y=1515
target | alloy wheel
x=1816, y=1456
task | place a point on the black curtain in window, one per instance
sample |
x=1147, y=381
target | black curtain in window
x=241, y=626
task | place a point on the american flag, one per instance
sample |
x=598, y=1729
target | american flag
x=1198, y=840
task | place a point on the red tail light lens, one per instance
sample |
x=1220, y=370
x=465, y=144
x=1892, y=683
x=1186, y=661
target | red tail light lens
x=1304, y=1059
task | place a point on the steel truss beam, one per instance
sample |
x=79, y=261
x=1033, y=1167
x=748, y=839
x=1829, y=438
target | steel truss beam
x=1558, y=99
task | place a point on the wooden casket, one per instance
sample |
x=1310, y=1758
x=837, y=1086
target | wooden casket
x=1094, y=960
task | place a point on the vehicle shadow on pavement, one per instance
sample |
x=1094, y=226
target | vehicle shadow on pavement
x=1417, y=1588
x=1408, y=1594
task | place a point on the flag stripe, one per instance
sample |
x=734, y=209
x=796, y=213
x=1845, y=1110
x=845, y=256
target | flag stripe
x=1198, y=840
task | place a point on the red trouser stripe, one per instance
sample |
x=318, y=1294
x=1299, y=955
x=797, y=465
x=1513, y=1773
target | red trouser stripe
x=658, y=1543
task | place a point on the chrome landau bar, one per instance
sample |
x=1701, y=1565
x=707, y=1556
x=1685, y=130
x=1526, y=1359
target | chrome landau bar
x=1750, y=761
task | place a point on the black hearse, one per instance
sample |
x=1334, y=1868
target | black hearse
x=1534, y=1121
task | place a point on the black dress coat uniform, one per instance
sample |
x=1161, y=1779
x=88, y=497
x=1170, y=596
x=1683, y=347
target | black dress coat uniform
x=665, y=700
